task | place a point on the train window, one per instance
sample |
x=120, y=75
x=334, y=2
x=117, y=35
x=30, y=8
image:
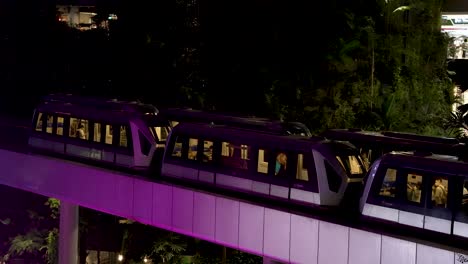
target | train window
x=193, y=149
x=244, y=152
x=366, y=155
x=235, y=156
x=280, y=165
x=301, y=173
x=352, y=165
x=464, y=200
x=334, y=180
x=50, y=122
x=207, y=151
x=226, y=149
x=97, y=132
x=465, y=194
x=78, y=128
x=439, y=192
x=159, y=133
x=177, y=151
x=262, y=164
x=109, y=131
x=389, y=183
x=145, y=145
x=413, y=187
x=73, y=127
x=59, y=127
x=39, y=122
x=123, y=142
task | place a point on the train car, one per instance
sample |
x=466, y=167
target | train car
x=427, y=192
x=178, y=115
x=373, y=145
x=118, y=133
x=296, y=169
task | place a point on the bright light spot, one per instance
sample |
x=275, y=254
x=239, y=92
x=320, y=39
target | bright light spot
x=145, y=260
x=112, y=17
x=120, y=257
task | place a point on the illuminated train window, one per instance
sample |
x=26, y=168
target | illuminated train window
x=281, y=164
x=302, y=173
x=351, y=165
x=207, y=151
x=235, y=156
x=59, y=125
x=262, y=163
x=413, y=187
x=389, y=183
x=39, y=122
x=78, y=128
x=177, y=151
x=97, y=132
x=439, y=192
x=50, y=123
x=159, y=133
x=465, y=193
x=109, y=131
x=193, y=148
x=123, y=142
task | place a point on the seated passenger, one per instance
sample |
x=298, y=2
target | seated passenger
x=280, y=167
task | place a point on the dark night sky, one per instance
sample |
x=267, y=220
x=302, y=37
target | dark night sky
x=456, y=6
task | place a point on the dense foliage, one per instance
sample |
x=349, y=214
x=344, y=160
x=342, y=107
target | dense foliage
x=378, y=65
x=373, y=64
x=38, y=240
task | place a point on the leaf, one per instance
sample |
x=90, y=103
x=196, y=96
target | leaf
x=6, y=221
x=31, y=242
x=451, y=72
x=402, y=8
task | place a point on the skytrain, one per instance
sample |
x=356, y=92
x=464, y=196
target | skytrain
x=177, y=115
x=122, y=134
x=414, y=181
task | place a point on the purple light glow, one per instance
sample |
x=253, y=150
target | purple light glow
x=261, y=231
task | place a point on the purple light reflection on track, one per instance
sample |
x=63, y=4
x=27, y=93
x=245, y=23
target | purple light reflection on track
x=163, y=206
x=250, y=228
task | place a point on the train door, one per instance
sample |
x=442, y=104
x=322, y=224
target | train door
x=383, y=196
x=411, y=192
x=304, y=187
x=281, y=166
x=236, y=165
x=122, y=140
x=438, y=214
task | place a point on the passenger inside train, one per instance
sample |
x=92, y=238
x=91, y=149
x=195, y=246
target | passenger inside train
x=413, y=192
x=280, y=167
x=439, y=193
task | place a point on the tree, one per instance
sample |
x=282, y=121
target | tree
x=28, y=245
x=168, y=249
x=457, y=123
x=40, y=238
